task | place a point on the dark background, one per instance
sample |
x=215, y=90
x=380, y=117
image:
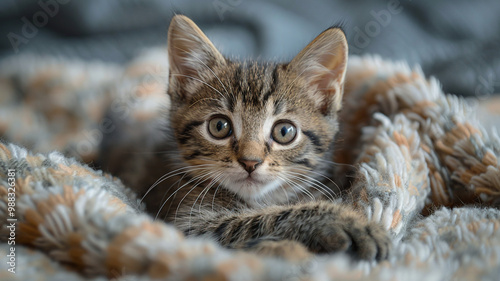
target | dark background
x=457, y=41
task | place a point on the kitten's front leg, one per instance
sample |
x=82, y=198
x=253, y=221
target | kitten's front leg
x=323, y=227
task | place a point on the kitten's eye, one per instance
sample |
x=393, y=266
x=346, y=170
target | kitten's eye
x=284, y=133
x=220, y=127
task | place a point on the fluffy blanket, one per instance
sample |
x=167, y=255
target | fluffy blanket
x=424, y=167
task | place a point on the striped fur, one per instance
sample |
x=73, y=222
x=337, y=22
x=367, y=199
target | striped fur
x=285, y=197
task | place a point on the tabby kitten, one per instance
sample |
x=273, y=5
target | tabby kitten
x=252, y=141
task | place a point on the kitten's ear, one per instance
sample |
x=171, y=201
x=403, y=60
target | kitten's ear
x=323, y=64
x=190, y=52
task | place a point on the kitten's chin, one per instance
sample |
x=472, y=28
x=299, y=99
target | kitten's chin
x=252, y=189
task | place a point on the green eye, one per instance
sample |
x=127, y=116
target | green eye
x=219, y=127
x=284, y=132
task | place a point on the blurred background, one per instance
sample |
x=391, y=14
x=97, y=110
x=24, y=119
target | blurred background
x=458, y=41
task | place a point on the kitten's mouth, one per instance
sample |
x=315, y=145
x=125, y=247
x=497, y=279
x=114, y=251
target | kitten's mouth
x=253, y=179
x=251, y=187
x=250, y=179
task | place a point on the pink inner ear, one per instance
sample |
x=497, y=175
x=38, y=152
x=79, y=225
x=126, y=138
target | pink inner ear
x=334, y=63
x=189, y=48
x=324, y=61
x=180, y=65
x=329, y=83
x=326, y=80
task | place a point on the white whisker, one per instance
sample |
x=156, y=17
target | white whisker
x=169, y=175
x=197, y=178
x=222, y=84
x=319, y=182
x=199, y=80
x=202, y=194
x=220, y=184
x=302, y=189
x=285, y=181
x=199, y=181
x=313, y=183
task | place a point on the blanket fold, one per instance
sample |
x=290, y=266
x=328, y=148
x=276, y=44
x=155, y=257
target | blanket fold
x=418, y=161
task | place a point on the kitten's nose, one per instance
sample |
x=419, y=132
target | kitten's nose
x=250, y=164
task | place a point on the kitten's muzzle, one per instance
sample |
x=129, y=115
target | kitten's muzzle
x=249, y=164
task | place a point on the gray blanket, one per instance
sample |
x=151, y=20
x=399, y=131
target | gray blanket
x=455, y=40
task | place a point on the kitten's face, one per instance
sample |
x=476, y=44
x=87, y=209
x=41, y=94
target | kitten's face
x=256, y=129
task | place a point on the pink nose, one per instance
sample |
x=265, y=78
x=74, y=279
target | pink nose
x=250, y=164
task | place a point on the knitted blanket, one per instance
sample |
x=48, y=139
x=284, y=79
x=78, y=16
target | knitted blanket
x=425, y=168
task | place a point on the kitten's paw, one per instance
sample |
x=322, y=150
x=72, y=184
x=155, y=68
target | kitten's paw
x=286, y=249
x=364, y=240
